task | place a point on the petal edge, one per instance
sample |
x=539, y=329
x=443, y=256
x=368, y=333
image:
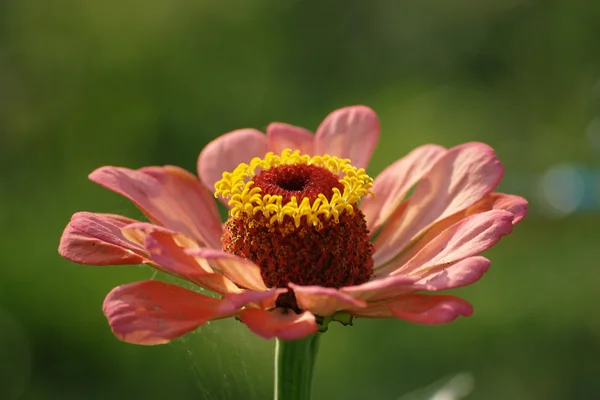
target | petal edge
x=429, y=309
x=154, y=312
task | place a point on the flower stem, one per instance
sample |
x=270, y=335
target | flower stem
x=294, y=365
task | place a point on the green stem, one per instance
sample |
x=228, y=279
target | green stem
x=294, y=365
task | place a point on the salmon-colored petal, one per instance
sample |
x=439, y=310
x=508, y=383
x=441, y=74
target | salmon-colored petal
x=266, y=300
x=154, y=312
x=168, y=254
x=138, y=231
x=166, y=247
x=494, y=201
x=468, y=237
x=387, y=287
x=372, y=310
x=459, y=274
x=243, y=272
x=350, y=132
x=393, y=183
x=429, y=309
x=96, y=239
x=462, y=176
x=228, y=151
x=284, y=136
x=498, y=201
x=281, y=323
x=438, y=277
x=169, y=196
x=323, y=301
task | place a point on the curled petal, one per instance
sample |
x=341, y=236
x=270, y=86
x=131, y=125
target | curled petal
x=387, y=287
x=324, y=301
x=281, y=323
x=228, y=151
x=350, y=132
x=459, y=274
x=392, y=185
x=168, y=196
x=154, y=312
x=243, y=272
x=265, y=300
x=429, y=309
x=284, y=136
x=96, y=239
x=461, y=177
x=167, y=251
x=500, y=201
x=372, y=310
x=516, y=205
x=138, y=232
x=468, y=237
x=439, y=277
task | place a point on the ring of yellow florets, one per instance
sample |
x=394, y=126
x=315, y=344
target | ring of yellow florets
x=244, y=197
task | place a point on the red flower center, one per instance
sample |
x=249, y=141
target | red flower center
x=300, y=180
x=335, y=252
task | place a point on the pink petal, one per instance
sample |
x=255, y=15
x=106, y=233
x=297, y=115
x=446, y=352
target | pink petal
x=387, y=287
x=266, y=300
x=462, y=273
x=468, y=237
x=372, y=310
x=243, y=272
x=154, y=312
x=137, y=232
x=350, y=132
x=226, y=152
x=494, y=201
x=428, y=309
x=167, y=250
x=392, y=185
x=164, y=251
x=461, y=177
x=284, y=136
x=323, y=301
x=500, y=201
x=280, y=323
x=169, y=196
x=96, y=239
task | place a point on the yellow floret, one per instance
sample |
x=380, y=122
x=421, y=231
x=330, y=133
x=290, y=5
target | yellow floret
x=237, y=186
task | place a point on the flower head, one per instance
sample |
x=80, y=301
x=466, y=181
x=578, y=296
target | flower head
x=310, y=237
x=320, y=240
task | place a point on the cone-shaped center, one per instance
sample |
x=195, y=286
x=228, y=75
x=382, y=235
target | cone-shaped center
x=335, y=252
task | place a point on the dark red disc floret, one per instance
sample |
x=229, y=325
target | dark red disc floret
x=331, y=254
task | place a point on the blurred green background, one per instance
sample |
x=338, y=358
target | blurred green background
x=134, y=83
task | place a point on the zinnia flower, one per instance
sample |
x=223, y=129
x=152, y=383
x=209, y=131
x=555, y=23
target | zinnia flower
x=310, y=237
